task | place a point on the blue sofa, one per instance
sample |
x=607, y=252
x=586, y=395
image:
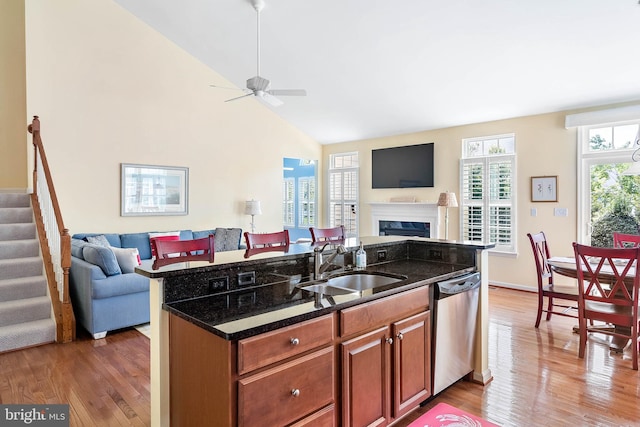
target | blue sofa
x=103, y=297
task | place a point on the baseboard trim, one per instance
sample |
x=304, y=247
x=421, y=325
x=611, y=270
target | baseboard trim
x=14, y=190
x=513, y=286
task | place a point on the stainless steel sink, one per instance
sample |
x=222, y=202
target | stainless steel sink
x=362, y=280
x=326, y=289
x=351, y=282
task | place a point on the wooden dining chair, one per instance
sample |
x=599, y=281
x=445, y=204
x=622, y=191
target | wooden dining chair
x=623, y=240
x=547, y=288
x=608, y=293
x=323, y=235
x=174, y=251
x=266, y=240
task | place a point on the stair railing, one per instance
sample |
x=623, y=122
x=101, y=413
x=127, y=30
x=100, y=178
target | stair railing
x=55, y=241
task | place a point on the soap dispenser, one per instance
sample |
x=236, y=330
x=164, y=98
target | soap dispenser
x=361, y=258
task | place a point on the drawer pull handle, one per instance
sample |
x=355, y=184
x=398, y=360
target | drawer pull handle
x=400, y=336
x=295, y=392
x=295, y=341
x=389, y=340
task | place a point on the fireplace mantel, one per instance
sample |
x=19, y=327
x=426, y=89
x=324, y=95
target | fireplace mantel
x=399, y=211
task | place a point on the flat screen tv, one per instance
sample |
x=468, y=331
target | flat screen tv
x=402, y=167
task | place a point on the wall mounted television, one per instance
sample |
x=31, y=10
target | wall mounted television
x=410, y=166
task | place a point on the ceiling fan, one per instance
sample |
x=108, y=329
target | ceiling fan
x=259, y=86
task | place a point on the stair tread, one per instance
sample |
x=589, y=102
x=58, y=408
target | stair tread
x=27, y=334
x=25, y=302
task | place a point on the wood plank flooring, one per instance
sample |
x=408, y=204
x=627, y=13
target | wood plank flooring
x=538, y=378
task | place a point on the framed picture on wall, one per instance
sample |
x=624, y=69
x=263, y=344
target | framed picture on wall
x=544, y=188
x=154, y=190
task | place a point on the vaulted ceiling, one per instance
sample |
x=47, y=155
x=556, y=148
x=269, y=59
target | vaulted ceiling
x=380, y=67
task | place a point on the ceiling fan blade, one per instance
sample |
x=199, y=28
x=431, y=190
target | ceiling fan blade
x=226, y=87
x=270, y=99
x=288, y=92
x=243, y=96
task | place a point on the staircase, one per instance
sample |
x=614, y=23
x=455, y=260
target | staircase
x=26, y=316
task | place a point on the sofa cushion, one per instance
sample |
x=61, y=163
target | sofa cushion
x=99, y=240
x=139, y=241
x=123, y=284
x=128, y=258
x=170, y=235
x=102, y=257
x=76, y=248
x=114, y=239
x=227, y=239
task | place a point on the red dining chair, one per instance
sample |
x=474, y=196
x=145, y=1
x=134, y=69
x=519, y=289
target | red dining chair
x=608, y=293
x=266, y=240
x=622, y=240
x=546, y=286
x=173, y=251
x=323, y=235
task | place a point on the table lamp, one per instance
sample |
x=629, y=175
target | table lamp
x=252, y=207
x=447, y=200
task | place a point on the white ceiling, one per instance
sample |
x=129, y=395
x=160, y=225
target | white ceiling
x=375, y=68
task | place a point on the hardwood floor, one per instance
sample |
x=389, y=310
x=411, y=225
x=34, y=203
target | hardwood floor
x=538, y=378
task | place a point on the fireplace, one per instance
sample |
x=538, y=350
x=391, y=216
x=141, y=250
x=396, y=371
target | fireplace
x=405, y=219
x=404, y=228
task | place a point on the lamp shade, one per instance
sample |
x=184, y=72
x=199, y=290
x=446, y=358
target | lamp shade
x=448, y=200
x=252, y=207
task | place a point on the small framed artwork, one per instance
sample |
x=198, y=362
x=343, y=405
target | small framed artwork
x=544, y=188
x=154, y=190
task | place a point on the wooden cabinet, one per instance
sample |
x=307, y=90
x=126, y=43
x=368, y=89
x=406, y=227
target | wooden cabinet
x=277, y=378
x=287, y=392
x=365, y=365
x=386, y=372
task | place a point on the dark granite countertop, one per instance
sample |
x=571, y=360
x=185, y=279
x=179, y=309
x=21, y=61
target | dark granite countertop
x=247, y=258
x=243, y=313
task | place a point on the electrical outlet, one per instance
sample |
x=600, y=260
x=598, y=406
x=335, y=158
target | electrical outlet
x=561, y=212
x=218, y=284
x=247, y=278
x=435, y=254
x=382, y=255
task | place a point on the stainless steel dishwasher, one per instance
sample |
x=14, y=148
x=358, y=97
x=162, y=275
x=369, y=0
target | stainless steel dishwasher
x=454, y=327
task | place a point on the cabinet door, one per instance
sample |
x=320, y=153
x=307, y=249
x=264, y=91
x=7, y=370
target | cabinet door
x=366, y=379
x=412, y=362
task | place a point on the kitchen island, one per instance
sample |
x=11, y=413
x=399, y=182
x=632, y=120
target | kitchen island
x=231, y=314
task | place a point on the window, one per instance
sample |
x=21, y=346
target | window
x=307, y=202
x=343, y=192
x=487, y=197
x=288, y=196
x=609, y=192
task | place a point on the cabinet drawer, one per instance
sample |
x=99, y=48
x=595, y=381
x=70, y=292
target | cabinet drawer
x=326, y=417
x=265, y=349
x=376, y=313
x=288, y=392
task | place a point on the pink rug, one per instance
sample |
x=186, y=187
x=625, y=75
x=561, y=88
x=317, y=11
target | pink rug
x=446, y=415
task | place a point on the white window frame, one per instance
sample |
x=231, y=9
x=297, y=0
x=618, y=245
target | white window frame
x=587, y=159
x=307, y=186
x=288, y=204
x=487, y=205
x=339, y=173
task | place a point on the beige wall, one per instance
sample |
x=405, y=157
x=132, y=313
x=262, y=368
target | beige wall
x=13, y=119
x=544, y=147
x=111, y=90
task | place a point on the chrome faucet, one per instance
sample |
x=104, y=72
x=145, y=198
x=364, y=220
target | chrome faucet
x=320, y=266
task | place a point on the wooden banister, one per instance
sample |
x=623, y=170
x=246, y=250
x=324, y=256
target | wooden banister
x=55, y=240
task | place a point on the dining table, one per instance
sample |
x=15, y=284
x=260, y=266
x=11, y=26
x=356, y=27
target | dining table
x=566, y=266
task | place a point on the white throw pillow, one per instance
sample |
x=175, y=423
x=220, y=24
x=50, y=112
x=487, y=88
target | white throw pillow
x=127, y=258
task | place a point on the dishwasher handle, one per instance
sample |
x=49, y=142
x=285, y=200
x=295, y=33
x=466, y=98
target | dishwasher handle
x=459, y=284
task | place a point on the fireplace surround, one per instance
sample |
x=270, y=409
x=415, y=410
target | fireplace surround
x=424, y=213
